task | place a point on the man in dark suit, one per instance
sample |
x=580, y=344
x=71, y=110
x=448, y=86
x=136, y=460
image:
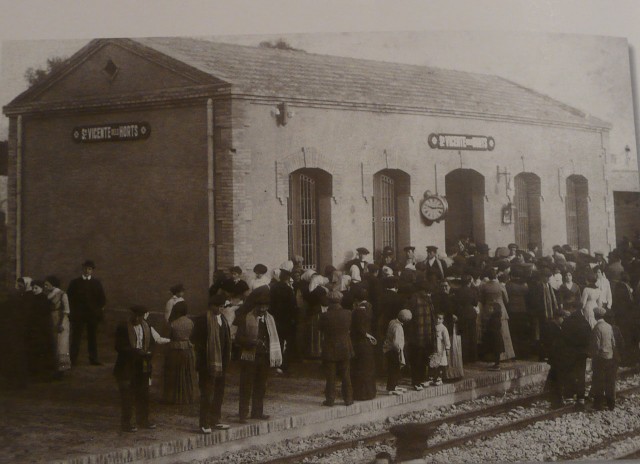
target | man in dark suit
x=575, y=339
x=337, y=351
x=434, y=265
x=212, y=339
x=86, y=301
x=133, y=369
x=284, y=310
x=257, y=337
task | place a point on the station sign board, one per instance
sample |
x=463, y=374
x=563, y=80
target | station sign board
x=115, y=132
x=461, y=142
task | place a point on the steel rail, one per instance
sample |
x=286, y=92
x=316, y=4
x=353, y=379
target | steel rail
x=386, y=436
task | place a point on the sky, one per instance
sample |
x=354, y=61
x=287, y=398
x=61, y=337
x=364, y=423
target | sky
x=533, y=43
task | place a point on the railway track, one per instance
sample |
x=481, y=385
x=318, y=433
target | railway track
x=387, y=438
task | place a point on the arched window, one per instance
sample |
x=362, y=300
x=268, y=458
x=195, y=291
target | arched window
x=527, y=201
x=577, y=211
x=465, y=195
x=391, y=191
x=309, y=216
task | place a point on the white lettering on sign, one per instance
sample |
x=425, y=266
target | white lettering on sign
x=113, y=132
x=461, y=142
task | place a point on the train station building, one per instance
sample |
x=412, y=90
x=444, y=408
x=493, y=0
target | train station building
x=165, y=159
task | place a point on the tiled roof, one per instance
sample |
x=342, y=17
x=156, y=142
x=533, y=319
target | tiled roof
x=296, y=74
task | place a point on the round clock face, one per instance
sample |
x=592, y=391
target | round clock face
x=433, y=208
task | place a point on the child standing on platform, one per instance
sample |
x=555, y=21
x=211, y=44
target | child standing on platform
x=439, y=362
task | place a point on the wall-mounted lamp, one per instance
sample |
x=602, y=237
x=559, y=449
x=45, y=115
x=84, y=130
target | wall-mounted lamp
x=507, y=176
x=282, y=113
x=627, y=152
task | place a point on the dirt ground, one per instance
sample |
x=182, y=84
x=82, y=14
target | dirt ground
x=80, y=415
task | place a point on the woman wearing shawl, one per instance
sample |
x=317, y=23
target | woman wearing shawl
x=60, y=319
x=258, y=339
x=179, y=368
x=212, y=339
x=40, y=342
x=591, y=298
x=605, y=288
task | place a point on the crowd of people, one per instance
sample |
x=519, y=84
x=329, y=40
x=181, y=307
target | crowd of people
x=395, y=317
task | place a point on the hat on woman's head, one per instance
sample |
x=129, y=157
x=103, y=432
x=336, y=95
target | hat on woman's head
x=260, y=269
x=179, y=309
x=261, y=295
x=53, y=280
x=139, y=310
x=177, y=288
x=217, y=300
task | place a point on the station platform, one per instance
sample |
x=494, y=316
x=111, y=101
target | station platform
x=76, y=420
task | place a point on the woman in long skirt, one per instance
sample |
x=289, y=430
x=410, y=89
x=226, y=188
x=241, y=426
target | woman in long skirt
x=492, y=292
x=454, y=368
x=179, y=367
x=60, y=323
x=363, y=364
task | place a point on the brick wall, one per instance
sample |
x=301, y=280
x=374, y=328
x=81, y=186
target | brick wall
x=138, y=208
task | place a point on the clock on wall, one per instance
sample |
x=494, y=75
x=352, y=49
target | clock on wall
x=434, y=207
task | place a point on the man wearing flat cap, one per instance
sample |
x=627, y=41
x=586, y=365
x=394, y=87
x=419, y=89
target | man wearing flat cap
x=86, y=304
x=409, y=257
x=134, y=343
x=211, y=337
x=358, y=266
x=435, y=266
x=258, y=339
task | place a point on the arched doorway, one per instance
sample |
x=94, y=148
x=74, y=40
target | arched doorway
x=577, y=206
x=391, y=191
x=465, y=195
x=309, y=216
x=528, y=224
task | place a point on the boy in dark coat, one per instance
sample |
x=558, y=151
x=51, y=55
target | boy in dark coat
x=133, y=369
x=335, y=324
x=212, y=339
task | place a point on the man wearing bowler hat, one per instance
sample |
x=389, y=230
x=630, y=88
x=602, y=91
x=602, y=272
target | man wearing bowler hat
x=86, y=303
x=434, y=265
x=133, y=369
